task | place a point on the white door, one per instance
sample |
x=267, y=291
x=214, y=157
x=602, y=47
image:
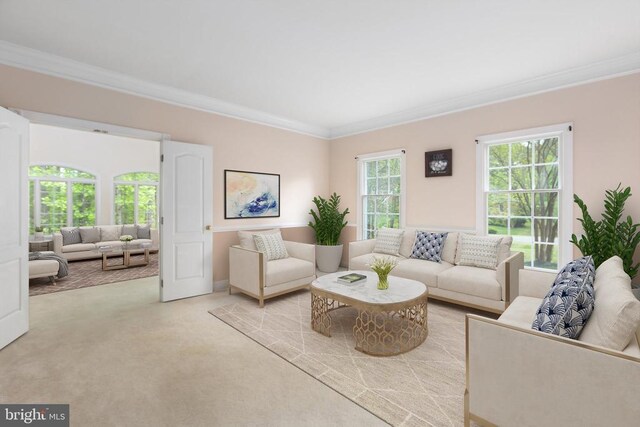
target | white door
x=14, y=216
x=186, y=209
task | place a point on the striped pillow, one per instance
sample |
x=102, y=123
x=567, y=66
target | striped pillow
x=271, y=245
x=388, y=241
x=479, y=251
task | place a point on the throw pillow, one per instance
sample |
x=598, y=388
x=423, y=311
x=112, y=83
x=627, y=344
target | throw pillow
x=568, y=304
x=272, y=245
x=428, y=246
x=90, y=234
x=110, y=233
x=449, y=251
x=616, y=314
x=142, y=232
x=248, y=242
x=408, y=239
x=131, y=230
x=70, y=236
x=388, y=241
x=479, y=251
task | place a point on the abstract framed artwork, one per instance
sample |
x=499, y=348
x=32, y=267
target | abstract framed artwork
x=438, y=163
x=251, y=194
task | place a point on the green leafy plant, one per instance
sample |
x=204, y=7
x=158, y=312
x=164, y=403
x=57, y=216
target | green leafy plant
x=38, y=229
x=328, y=222
x=611, y=235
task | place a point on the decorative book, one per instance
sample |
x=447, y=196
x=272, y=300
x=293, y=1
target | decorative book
x=351, y=278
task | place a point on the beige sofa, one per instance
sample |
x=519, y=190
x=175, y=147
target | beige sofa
x=79, y=251
x=482, y=288
x=517, y=376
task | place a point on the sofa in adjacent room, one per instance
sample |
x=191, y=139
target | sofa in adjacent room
x=77, y=243
x=490, y=288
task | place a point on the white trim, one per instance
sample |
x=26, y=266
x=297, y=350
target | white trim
x=230, y=228
x=89, y=126
x=565, y=180
x=603, y=70
x=361, y=158
x=41, y=62
x=46, y=63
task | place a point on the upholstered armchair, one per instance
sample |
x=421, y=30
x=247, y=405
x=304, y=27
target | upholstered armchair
x=251, y=273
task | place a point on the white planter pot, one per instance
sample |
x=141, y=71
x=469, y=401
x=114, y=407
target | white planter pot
x=328, y=258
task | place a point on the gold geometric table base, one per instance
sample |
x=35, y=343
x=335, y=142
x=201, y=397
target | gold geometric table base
x=380, y=329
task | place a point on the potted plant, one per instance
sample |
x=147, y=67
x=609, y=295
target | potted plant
x=38, y=232
x=328, y=223
x=611, y=235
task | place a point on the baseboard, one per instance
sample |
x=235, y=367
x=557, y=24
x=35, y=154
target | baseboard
x=220, y=285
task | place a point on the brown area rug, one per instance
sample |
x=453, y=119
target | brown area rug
x=83, y=274
x=424, y=386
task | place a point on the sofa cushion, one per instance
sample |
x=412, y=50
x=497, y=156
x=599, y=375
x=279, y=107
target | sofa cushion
x=504, y=247
x=388, y=241
x=363, y=262
x=271, y=245
x=479, y=282
x=78, y=247
x=408, y=240
x=247, y=241
x=288, y=269
x=70, y=236
x=131, y=230
x=479, y=251
x=420, y=270
x=567, y=306
x=41, y=267
x=110, y=232
x=450, y=245
x=143, y=232
x=521, y=312
x=616, y=315
x=89, y=234
x=428, y=246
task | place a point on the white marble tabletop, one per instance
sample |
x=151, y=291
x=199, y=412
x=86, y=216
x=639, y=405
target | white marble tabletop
x=400, y=289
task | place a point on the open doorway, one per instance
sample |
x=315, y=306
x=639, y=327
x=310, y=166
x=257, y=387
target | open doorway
x=93, y=203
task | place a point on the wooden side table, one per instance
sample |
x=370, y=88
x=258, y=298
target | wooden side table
x=40, y=245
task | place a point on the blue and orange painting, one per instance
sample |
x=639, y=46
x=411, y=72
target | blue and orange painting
x=251, y=195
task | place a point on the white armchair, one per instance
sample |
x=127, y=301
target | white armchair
x=251, y=274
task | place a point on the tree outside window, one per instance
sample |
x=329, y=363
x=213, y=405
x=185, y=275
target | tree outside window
x=136, y=198
x=381, y=190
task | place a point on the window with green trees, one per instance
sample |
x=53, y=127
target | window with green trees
x=60, y=197
x=523, y=196
x=136, y=198
x=380, y=193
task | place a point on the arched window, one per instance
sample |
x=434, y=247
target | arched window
x=135, y=198
x=61, y=197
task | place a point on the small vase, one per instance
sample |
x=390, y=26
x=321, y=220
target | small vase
x=383, y=281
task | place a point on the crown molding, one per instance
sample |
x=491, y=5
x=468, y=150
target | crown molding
x=34, y=60
x=603, y=70
x=45, y=63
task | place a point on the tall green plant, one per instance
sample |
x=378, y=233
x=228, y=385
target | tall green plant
x=611, y=235
x=328, y=222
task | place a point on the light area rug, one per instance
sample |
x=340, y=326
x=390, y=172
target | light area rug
x=86, y=273
x=423, y=387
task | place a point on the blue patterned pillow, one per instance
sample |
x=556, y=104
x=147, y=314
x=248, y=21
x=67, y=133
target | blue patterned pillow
x=428, y=246
x=569, y=303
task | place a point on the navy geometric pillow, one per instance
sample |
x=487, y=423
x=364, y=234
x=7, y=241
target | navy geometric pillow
x=569, y=303
x=428, y=246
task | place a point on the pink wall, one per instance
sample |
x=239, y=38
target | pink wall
x=300, y=160
x=606, y=117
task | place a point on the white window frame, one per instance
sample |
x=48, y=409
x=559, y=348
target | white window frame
x=362, y=182
x=37, y=206
x=565, y=180
x=136, y=184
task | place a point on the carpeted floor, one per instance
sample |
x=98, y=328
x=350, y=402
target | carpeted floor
x=422, y=387
x=83, y=274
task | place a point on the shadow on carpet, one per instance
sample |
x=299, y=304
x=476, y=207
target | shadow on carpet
x=87, y=273
x=422, y=387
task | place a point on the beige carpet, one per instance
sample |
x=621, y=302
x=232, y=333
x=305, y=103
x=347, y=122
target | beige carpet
x=87, y=273
x=422, y=387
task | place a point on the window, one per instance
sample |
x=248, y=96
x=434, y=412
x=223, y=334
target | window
x=524, y=192
x=60, y=197
x=381, y=192
x=136, y=198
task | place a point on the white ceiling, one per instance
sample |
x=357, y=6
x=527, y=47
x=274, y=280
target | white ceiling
x=326, y=67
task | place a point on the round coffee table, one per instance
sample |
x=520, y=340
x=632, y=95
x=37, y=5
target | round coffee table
x=389, y=322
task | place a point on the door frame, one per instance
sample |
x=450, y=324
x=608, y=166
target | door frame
x=98, y=127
